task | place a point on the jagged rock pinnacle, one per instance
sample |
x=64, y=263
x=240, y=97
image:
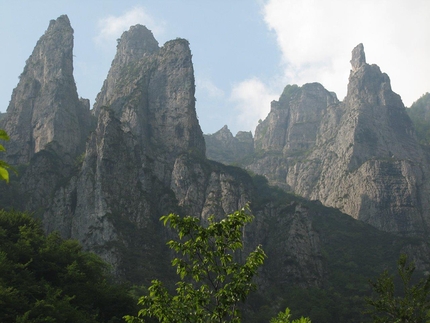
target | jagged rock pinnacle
x=45, y=106
x=358, y=57
x=135, y=43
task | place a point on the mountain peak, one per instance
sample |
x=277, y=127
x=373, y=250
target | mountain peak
x=358, y=57
x=136, y=42
x=45, y=106
x=62, y=21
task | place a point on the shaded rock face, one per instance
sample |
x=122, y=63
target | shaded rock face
x=360, y=155
x=144, y=159
x=45, y=107
x=419, y=112
x=294, y=247
x=151, y=90
x=223, y=147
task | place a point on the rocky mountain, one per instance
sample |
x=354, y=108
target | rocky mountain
x=360, y=155
x=223, y=147
x=145, y=157
x=419, y=112
x=45, y=108
x=105, y=176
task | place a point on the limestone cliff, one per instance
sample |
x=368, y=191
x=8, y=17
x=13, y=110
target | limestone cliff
x=145, y=157
x=419, y=112
x=45, y=108
x=223, y=147
x=360, y=155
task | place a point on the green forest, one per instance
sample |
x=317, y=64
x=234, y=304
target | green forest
x=48, y=279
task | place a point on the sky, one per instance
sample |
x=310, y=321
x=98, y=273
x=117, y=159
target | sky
x=244, y=51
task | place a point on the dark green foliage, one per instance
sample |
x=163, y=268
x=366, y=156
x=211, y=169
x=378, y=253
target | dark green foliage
x=48, y=279
x=409, y=304
x=352, y=252
x=284, y=317
x=212, y=282
x=419, y=113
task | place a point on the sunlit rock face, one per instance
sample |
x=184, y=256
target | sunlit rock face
x=45, y=108
x=151, y=90
x=360, y=155
x=144, y=157
x=105, y=177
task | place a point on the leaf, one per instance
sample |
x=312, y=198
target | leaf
x=4, y=174
x=3, y=135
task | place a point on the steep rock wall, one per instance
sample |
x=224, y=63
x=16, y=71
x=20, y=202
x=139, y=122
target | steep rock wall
x=360, y=155
x=45, y=107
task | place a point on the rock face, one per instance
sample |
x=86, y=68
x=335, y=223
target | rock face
x=419, y=112
x=223, y=147
x=145, y=157
x=360, y=155
x=45, y=108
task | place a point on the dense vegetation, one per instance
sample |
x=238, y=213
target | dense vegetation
x=48, y=279
x=353, y=253
x=212, y=280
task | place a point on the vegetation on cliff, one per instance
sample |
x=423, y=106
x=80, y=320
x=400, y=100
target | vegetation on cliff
x=48, y=279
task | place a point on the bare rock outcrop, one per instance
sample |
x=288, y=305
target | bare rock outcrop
x=223, y=147
x=146, y=158
x=45, y=107
x=360, y=155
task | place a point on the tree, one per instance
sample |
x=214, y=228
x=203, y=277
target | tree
x=48, y=279
x=4, y=173
x=211, y=280
x=284, y=317
x=412, y=306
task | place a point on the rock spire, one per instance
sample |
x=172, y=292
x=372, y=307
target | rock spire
x=358, y=57
x=45, y=108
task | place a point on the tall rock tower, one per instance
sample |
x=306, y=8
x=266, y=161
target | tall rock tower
x=360, y=155
x=45, y=108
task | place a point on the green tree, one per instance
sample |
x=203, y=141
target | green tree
x=212, y=282
x=413, y=304
x=284, y=317
x=48, y=279
x=4, y=173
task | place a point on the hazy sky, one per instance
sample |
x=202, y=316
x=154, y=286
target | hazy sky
x=244, y=51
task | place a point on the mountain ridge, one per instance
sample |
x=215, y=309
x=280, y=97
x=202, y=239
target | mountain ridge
x=144, y=156
x=360, y=155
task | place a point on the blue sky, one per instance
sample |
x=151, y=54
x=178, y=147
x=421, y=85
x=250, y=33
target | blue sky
x=244, y=51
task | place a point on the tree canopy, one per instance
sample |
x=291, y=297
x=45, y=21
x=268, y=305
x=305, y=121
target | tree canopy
x=409, y=304
x=48, y=279
x=212, y=280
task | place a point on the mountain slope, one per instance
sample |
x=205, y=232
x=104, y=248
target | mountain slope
x=360, y=155
x=145, y=157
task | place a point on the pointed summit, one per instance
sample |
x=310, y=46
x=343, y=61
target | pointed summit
x=45, y=107
x=151, y=91
x=136, y=43
x=358, y=57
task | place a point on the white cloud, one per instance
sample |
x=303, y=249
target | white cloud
x=111, y=27
x=252, y=100
x=316, y=38
x=209, y=88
